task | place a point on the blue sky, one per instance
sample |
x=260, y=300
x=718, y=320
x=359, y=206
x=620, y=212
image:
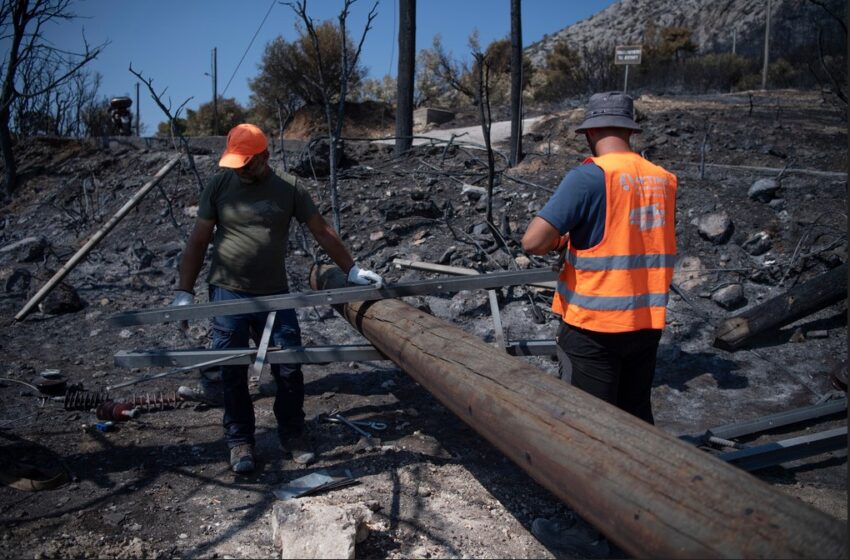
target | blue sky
x=171, y=42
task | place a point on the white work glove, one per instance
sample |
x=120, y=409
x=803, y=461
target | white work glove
x=363, y=277
x=181, y=298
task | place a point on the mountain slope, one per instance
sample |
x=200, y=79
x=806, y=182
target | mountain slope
x=794, y=25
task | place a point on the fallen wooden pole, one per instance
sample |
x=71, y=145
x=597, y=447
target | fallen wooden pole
x=648, y=492
x=796, y=303
x=95, y=239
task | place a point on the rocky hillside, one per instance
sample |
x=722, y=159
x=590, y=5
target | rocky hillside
x=794, y=25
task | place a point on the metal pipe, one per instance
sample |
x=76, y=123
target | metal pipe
x=648, y=492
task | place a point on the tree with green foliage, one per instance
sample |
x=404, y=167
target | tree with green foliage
x=562, y=76
x=289, y=73
x=230, y=113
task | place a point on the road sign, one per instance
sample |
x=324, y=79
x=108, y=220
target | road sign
x=627, y=54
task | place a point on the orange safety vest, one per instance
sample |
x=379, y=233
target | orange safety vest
x=622, y=284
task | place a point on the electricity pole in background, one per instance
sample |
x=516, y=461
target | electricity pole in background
x=215, y=90
x=766, y=47
x=406, y=75
x=138, y=122
x=516, y=83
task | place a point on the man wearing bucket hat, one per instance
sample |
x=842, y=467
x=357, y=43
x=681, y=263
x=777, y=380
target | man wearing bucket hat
x=613, y=221
x=245, y=212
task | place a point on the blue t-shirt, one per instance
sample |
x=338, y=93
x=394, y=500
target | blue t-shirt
x=578, y=206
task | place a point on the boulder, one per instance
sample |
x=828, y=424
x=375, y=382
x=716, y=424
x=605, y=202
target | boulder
x=729, y=297
x=62, y=299
x=763, y=190
x=302, y=528
x=716, y=227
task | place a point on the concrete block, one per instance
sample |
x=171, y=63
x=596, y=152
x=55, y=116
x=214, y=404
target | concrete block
x=430, y=115
x=306, y=529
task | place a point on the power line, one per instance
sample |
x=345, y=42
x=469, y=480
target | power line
x=248, y=48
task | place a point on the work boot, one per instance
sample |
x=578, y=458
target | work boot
x=299, y=449
x=201, y=394
x=242, y=458
x=572, y=536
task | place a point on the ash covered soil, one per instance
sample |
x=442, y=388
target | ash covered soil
x=160, y=485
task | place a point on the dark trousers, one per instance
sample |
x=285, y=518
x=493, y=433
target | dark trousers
x=616, y=367
x=233, y=331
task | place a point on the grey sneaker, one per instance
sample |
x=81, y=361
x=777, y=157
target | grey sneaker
x=299, y=448
x=572, y=535
x=201, y=394
x=242, y=458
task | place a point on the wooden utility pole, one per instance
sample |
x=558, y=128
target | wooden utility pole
x=406, y=74
x=652, y=494
x=766, y=47
x=516, y=82
x=138, y=118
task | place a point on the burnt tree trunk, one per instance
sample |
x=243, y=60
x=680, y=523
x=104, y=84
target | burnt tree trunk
x=406, y=66
x=516, y=83
x=794, y=304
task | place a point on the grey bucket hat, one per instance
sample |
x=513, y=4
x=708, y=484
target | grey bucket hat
x=609, y=109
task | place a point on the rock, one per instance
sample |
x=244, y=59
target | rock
x=777, y=204
x=305, y=529
x=758, y=244
x=396, y=210
x=317, y=160
x=817, y=334
x=468, y=302
x=480, y=229
x=62, y=299
x=689, y=273
x=18, y=282
x=376, y=235
x=729, y=297
x=716, y=227
x=523, y=262
x=33, y=252
x=473, y=193
x=763, y=190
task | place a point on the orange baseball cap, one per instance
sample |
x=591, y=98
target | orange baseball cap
x=244, y=141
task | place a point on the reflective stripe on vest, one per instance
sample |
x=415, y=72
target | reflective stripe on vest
x=620, y=262
x=612, y=303
x=622, y=283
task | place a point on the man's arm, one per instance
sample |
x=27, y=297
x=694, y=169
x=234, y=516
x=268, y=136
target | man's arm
x=542, y=237
x=327, y=238
x=193, y=254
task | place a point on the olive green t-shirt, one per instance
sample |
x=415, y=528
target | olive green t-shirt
x=252, y=229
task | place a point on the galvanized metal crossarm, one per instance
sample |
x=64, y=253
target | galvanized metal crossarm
x=292, y=355
x=332, y=297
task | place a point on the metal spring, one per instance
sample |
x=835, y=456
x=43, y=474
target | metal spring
x=79, y=399
x=154, y=401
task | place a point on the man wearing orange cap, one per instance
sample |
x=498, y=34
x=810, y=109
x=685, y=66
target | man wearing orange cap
x=245, y=212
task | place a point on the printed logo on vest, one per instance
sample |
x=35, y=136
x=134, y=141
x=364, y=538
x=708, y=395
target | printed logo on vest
x=647, y=217
x=647, y=185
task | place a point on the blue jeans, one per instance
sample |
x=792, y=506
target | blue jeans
x=233, y=331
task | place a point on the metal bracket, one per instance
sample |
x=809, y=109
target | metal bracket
x=293, y=355
x=331, y=297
